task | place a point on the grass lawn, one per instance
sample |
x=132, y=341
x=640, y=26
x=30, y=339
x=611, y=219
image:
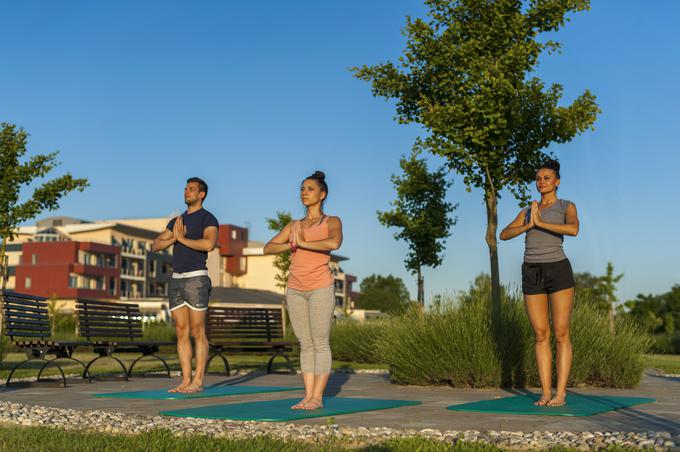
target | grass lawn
x=669, y=364
x=48, y=439
x=104, y=365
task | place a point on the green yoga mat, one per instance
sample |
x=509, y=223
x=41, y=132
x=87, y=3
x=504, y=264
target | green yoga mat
x=210, y=391
x=279, y=410
x=577, y=405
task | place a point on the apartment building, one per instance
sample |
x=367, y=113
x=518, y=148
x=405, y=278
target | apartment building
x=68, y=258
x=261, y=275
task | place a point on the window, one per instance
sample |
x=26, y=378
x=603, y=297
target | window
x=73, y=282
x=338, y=301
x=28, y=282
x=34, y=259
x=242, y=263
x=233, y=234
x=112, y=286
x=100, y=260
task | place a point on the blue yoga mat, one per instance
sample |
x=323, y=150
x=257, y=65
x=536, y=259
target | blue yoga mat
x=577, y=405
x=210, y=391
x=279, y=410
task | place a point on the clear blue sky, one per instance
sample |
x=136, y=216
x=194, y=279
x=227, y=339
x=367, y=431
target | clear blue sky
x=253, y=96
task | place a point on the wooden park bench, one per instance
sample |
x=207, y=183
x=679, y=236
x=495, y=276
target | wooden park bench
x=27, y=325
x=113, y=327
x=247, y=330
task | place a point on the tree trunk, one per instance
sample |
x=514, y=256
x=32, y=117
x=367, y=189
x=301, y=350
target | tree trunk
x=421, y=289
x=4, y=276
x=491, y=227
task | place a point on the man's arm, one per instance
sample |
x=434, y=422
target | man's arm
x=207, y=243
x=164, y=240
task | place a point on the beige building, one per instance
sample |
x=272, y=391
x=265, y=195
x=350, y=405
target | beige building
x=142, y=275
x=262, y=275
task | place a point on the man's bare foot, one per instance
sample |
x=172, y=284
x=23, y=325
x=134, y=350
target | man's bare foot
x=301, y=404
x=193, y=388
x=313, y=404
x=543, y=401
x=180, y=387
x=558, y=400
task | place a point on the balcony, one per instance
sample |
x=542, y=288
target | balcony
x=137, y=275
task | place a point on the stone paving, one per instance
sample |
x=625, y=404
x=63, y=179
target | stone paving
x=663, y=415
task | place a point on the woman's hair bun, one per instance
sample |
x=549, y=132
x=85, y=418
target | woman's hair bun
x=319, y=175
x=551, y=164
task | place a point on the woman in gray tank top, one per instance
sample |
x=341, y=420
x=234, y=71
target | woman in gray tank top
x=547, y=277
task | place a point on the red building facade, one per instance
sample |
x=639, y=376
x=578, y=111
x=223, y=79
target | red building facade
x=231, y=241
x=69, y=270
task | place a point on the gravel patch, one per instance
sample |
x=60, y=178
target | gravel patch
x=114, y=422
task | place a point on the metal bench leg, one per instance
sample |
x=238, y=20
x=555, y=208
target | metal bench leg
x=284, y=356
x=227, y=369
x=167, y=368
x=47, y=362
x=85, y=374
x=87, y=368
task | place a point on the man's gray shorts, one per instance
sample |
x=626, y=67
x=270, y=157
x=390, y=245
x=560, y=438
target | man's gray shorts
x=192, y=292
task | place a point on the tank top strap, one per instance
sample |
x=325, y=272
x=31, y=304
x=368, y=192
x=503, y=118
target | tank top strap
x=323, y=220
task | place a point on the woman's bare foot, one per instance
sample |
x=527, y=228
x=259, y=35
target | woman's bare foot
x=193, y=388
x=543, y=401
x=180, y=387
x=558, y=400
x=313, y=404
x=300, y=405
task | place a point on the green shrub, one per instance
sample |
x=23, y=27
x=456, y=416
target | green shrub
x=666, y=344
x=64, y=326
x=603, y=357
x=159, y=331
x=4, y=347
x=675, y=343
x=452, y=345
x=461, y=344
x=355, y=341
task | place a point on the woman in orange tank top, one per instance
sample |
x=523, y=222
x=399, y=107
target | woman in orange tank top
x=310, y=294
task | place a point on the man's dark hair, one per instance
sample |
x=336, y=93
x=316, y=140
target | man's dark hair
x=202, y=186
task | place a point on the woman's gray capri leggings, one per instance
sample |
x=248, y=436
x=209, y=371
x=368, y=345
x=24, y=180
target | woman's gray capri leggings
x=311, y=314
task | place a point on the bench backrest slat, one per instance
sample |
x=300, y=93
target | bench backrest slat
x=228, y=323
x=25, y=316
x=104, y=319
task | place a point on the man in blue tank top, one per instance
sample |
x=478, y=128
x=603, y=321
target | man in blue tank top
x=193, y=235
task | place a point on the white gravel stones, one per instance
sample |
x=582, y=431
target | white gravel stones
x=112, y=422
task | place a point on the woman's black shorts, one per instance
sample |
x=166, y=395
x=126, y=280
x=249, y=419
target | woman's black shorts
x=546, y=277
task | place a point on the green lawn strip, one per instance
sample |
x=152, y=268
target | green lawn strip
x=104, y=366
x=51, y=439
x=669, y=364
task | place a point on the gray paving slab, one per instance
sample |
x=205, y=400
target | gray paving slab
x=663, y=415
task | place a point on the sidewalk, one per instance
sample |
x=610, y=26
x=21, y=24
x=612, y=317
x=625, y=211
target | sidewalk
x=663, y=415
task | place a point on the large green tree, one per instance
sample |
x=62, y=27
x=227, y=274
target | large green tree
x=467, y=76
x=600, y=290
x=384, y=293
x=281, y=261
x=658, y=313
x=421, y=213
x=16, y=174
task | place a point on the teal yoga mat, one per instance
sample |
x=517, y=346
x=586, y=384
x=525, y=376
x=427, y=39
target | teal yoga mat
x=279, y=410
x=577, y=405
x=210, y=391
